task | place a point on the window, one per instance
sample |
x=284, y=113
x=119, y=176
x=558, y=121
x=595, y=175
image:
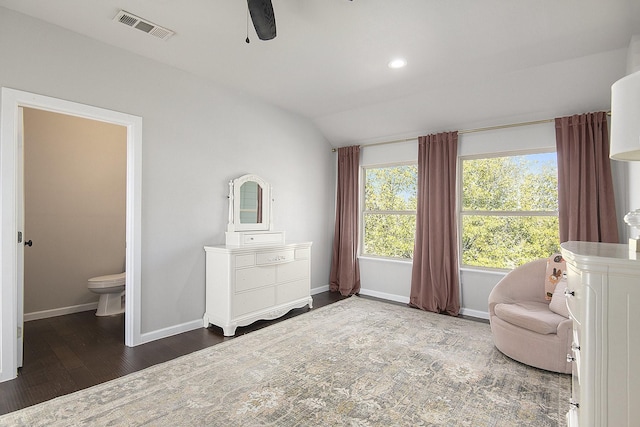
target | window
x=389, y=211
x=509, y=210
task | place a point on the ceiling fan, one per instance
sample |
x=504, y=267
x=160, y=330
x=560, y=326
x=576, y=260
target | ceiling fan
x=264, y=20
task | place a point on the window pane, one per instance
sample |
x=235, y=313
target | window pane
x=389, y=235
x=513, y=183
x=391, y=188
x=508, y=241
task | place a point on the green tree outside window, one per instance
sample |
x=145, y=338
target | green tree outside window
x=509, y=210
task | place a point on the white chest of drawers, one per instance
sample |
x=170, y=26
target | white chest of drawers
x=249, y=283
x=603, y=297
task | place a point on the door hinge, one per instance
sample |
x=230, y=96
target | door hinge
x=19, y=332
x=19, y=236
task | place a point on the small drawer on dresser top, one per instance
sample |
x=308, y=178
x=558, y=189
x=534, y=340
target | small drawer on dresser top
x=275, y=257
x=262, y=238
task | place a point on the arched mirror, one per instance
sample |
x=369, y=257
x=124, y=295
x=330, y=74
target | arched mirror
x=249, y=204
x=250, y=211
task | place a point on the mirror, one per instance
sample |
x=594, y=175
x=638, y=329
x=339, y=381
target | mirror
x=249, y=204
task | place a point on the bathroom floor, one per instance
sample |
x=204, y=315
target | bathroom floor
x=76, y=351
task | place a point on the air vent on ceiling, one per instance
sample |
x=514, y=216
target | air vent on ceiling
x=134, y=21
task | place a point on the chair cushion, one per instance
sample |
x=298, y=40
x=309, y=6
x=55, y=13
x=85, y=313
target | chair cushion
x=531, y=315
x=558, y=302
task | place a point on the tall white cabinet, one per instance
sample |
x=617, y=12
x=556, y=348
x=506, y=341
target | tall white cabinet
x=603, y=296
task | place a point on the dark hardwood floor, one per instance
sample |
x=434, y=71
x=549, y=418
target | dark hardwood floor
x=72, y=352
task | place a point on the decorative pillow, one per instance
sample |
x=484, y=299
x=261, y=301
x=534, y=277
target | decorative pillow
x=558, y=302
x=555, y=268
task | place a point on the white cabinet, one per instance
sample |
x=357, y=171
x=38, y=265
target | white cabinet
x=603, y=296
x=249, y=283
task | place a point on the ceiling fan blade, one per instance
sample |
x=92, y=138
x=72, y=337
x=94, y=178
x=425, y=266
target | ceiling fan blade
x=263, y=18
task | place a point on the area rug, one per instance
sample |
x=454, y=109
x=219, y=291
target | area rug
x=357, y=362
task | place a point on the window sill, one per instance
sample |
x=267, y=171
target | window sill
x=493, y=271
x=391, y=260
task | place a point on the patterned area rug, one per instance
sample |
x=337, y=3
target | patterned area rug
x=357, y=362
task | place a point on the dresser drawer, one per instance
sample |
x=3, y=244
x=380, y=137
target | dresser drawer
x=254, y=238
x=293, y=270
x=574, y=286
x=292, y=291
x=275, y=257
x=245, y=260
x=575, y=349
x=254, y=300
x=255, y=277
x=303, y=253
x=262, y=238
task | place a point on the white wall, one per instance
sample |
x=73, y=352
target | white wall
x=196, y=137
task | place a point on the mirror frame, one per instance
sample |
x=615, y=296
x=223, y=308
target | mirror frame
x=234, y=205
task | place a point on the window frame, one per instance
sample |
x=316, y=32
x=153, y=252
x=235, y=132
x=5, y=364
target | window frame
x=362, y=211
x=462, y=213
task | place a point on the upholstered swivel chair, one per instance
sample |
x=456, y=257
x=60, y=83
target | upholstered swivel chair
x=522, y=323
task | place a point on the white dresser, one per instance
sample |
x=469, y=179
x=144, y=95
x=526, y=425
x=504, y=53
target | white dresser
x=603, y=296
x=249, y=283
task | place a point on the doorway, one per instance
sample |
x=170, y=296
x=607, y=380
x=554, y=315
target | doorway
x=74, y=209
x=12, y=246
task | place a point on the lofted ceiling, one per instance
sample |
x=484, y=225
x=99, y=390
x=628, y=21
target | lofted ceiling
x=470, y=63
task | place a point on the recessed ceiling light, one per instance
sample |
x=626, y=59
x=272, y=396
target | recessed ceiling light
x=398, y=63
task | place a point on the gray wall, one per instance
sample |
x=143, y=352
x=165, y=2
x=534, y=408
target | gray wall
x=197, y=135
x=75, y=188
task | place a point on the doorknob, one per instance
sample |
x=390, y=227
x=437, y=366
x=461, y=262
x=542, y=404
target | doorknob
x=28, y=243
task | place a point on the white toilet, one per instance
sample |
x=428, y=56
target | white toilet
x=111, y=291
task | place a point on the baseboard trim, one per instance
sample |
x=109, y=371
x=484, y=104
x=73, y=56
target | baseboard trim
x=384, y=295
x=45, y=314
x=170, y=331
x=474, y=313
x=319, y=290
x=405, y=300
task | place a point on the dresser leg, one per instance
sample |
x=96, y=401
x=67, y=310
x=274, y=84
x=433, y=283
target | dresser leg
x=229, y=331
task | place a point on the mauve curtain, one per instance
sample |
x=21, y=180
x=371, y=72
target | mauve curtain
x=435, y=277
x=587, y=210
x=345, y=271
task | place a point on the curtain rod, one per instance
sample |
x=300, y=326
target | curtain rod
x=512, y=125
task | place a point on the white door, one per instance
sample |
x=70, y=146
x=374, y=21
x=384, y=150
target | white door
x=21, y=238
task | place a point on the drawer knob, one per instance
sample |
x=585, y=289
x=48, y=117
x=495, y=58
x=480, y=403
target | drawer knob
x=570, y=358
x=575, y=347
x=569, y=293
